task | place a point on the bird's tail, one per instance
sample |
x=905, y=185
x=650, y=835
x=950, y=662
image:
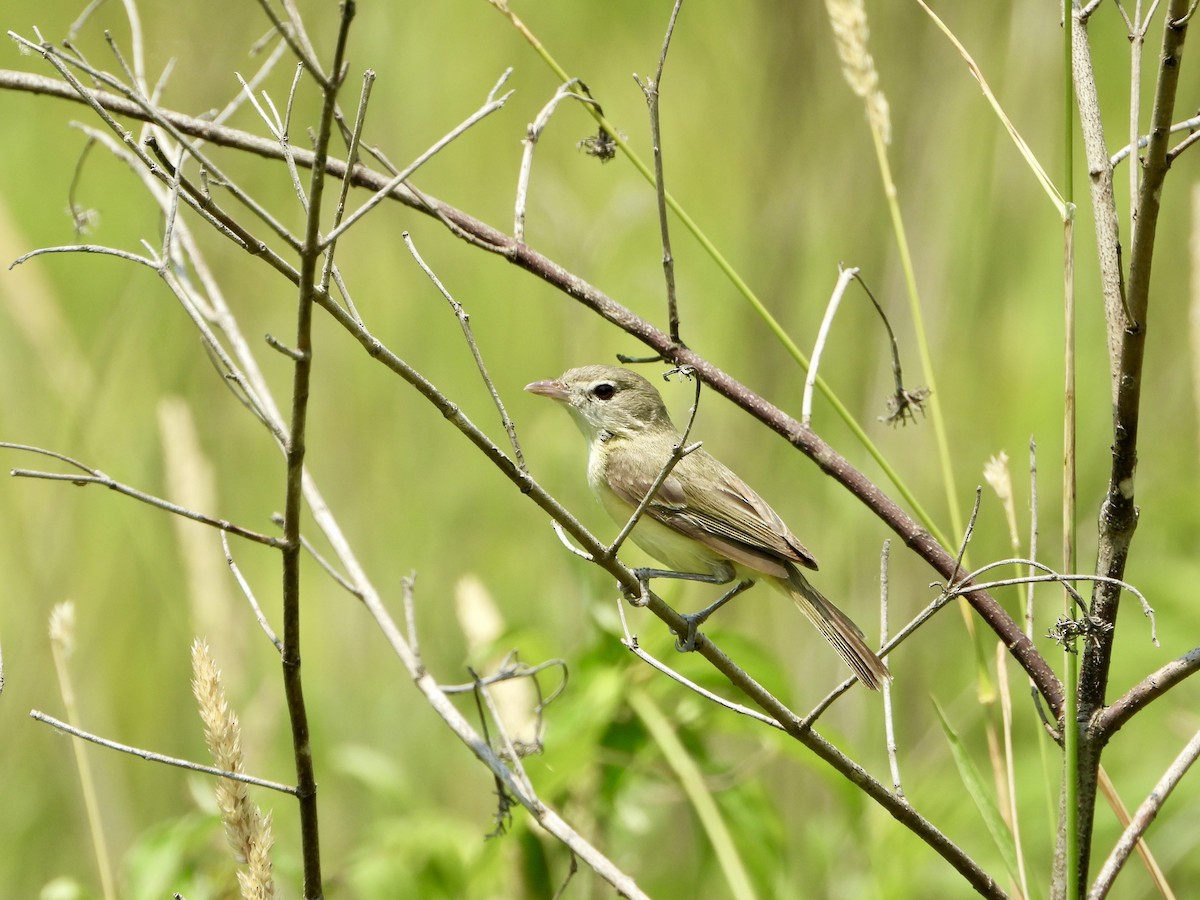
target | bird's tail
x=838, y=629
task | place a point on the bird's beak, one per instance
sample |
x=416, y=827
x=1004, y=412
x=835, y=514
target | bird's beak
x=555, y=390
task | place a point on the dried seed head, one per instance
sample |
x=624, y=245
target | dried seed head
x=849, y=19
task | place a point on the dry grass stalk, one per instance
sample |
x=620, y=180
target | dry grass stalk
x=247, y=829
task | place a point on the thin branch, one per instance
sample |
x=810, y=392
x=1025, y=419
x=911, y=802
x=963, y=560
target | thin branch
x=492, y=104
x=248, y=593
x=845, y=276
x=95, y=476
x=1052, y=576
x=158, y=757
x=652, y=91
x=1145, y=815
x=1111, y=718
x=310, y=255
x=532, y=133
x=510, y=670
x=325, y=564
x=510, y=751
x=351, y=161
x=565, y=540
x=86, y=248
x=464, y=320
x=255, y=80
x=1189, y=124
x=889, y=727
x=298, y=41
x=631, y=643
x=408, y=595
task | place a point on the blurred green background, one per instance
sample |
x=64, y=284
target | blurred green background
x=768, y=149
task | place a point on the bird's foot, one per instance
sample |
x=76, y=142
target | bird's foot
x=686, y=642
x=642, y=596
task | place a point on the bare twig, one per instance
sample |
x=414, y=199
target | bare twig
x=509, y=753
x=510, y=670
x=492, y=104
x=566, y=541
x=253, y=83
x=532, y=133
x=1146, y=813
x=845, y=276
x=298, y=41
x=464, y=320
x=95, y=476
x=310, y=256
x=631, y=643
x=351, y=161
x=248, y=593
x=889, y=727
x=408, y=595
x=1190, y=125
x=1112, y=717
x=652, y=88
x=158, y=757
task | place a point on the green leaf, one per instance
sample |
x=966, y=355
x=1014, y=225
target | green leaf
x=979, y=792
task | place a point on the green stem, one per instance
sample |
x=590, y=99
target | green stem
x=692, y=782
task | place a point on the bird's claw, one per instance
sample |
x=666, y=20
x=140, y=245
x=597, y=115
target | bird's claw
x=686, y=642
x=642, y=597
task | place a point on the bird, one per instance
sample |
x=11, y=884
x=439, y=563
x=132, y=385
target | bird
x=704, y=522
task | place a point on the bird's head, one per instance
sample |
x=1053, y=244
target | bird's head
x=606, y=400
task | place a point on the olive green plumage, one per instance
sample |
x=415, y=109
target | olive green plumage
x=703, y=519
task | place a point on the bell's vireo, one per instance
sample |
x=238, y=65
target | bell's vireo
x=704, y=520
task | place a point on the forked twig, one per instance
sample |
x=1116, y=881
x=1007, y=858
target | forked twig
x=492, y=104
x=532, y=133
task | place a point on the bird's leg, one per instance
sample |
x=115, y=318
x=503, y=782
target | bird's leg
x=687, y=643
x=723, y=576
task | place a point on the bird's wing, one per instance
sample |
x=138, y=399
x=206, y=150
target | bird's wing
x=712, y=505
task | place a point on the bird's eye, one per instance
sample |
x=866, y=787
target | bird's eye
x=604, y=390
